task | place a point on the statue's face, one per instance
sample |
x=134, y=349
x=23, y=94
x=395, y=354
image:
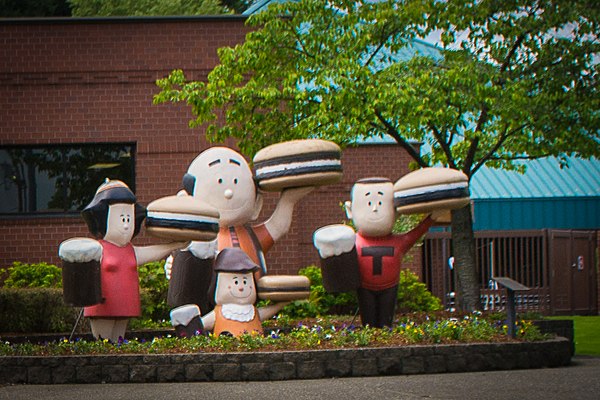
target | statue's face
x=373, y=210
x=235, y=288
x=120, y=224
x=224, y=180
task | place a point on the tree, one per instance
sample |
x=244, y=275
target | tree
x=34, y=8
x=237, y=6
x=108, y=8
x=514, y=80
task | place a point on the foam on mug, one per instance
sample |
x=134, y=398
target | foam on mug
x=203, y=250
x=80, y=250
x=333, y=240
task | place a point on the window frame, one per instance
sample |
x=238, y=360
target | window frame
x=66, y=148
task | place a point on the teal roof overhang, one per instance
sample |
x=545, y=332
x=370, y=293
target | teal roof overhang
x=545, y=196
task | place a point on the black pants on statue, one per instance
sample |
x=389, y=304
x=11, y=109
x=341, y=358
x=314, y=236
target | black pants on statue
x=377, y=307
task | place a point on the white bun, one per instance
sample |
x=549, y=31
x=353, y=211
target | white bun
x=283, y=287
x=182, y=218
x=298, y=163
x=429, y=189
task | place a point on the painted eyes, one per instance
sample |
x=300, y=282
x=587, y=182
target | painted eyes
x=379, y=203
x=235, y=181
x=125, y=218
x=243, y=281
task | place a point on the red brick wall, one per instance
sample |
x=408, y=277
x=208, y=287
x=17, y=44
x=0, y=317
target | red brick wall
x=76, y=81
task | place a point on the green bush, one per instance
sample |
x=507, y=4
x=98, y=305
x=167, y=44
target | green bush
x=413, y=295
x=320, y=302
x=28, y=305
x=153, y=291
x=36, y=310
x=32, y=275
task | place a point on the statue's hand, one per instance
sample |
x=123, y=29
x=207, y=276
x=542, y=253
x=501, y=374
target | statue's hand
x=441, y=216
x=168, y=267
x=293, y=195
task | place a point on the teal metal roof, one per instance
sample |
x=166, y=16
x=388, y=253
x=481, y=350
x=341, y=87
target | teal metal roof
x=543, y=178
x=544, y=197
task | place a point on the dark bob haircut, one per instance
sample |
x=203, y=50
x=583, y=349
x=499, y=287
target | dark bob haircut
x=110, y=192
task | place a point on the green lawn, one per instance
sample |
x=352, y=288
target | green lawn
x=587, y=334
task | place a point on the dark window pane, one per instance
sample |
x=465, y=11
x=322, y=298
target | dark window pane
x=61, y=179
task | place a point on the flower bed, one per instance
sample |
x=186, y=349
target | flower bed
x=306, y=349
x=337, y=332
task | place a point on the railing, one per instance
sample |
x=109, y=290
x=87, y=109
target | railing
x=534, y=300
x=519, y=255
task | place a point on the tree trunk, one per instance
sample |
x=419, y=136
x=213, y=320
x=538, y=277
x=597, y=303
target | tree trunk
x=463, y=244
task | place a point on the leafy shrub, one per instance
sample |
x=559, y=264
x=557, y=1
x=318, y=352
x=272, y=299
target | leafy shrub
x=25, y=307
x=36, y=310
x=22, y=275
x=413, y=295
x=153, y=291
x=320, y=302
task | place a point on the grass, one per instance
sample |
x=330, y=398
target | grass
x=587, y=334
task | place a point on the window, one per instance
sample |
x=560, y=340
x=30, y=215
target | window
x=60, y=178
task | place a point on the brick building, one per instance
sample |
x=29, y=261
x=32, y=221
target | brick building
x=83, y=87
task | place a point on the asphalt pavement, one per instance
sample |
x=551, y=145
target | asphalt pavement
x=580, y=380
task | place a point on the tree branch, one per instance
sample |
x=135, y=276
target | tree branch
x=390, y=130
x=443, y=144
x=512, y=51
x=501, y=140
x=470, y=156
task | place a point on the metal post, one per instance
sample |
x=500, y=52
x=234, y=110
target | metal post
x=511, y=310
x=511, y=313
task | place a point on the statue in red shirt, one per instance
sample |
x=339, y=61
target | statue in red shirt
x=378, y=251
x=114, y=216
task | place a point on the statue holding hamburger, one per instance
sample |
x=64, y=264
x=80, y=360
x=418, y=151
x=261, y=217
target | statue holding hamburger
x=223, y=179
x=369, y=260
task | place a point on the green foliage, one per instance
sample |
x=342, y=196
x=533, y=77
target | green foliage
x=108, y=8
x=34, y=8
x=322, y=334
x=320, y=302
x=237, y=6
x=153, y=291
x=21, y=275
x=503, y=84
x=23, y=309
x=413, y=295
x=35, y=310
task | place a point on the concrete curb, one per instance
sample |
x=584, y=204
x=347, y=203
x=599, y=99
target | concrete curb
x=272, y=366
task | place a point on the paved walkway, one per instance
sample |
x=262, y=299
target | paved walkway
x=580, y=381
